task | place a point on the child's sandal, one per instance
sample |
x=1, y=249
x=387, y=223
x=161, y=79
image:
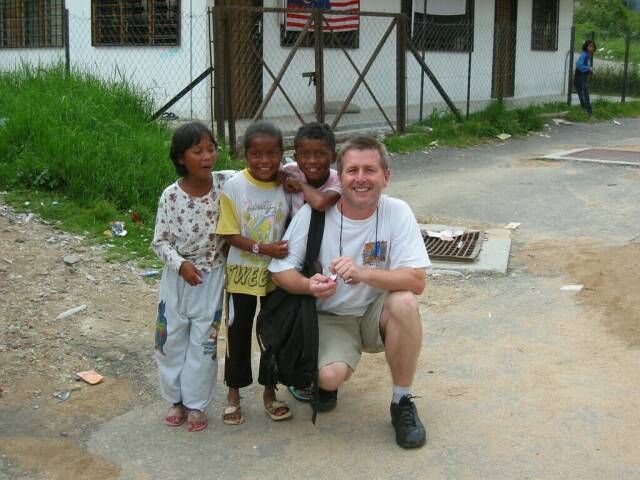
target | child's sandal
x=176, y=416
x=232, y=415
x=196, y=421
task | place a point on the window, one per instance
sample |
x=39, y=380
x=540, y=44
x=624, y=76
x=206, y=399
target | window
x=135, y=22
x=544, y=27
x=343, y=30
x=447, y=25
x=31, y=23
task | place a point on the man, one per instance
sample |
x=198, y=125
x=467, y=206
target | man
x=374, y=262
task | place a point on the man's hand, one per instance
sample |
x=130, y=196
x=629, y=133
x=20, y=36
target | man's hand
x=275, y=250
x=292, y=185
x=347, y=269
x=321, y=286
x=190, y=273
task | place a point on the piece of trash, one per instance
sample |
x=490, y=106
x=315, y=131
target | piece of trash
x=71, y=311
x=26, y=204
x=616, y=122
x=561, y=121
x=55, y=202
x=28, y=218
x=107, y=233
x=70, y=259
x=544, y=135
x=441, y=273
x=64, y=395
x=91, y=278
x=149, y=273
x=137, y=218
x=446, y=235
x=503, y=136
x=90, y=376
x=3, y=121
x=460, y=245
x=571, y=288
x=512, y=225
x=434, y=143
x=117, y=228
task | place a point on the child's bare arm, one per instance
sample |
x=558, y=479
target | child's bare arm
x=319, y=200
x=278, y=249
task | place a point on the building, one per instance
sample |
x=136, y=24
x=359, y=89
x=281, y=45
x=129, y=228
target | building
x=477, y=49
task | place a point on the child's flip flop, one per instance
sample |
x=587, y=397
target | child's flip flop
x=272, y=409
x=196, y=421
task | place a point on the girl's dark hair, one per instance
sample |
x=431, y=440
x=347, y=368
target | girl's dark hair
x=185, y=137
x=259, y=128
x=587, y=43
x=316, y=131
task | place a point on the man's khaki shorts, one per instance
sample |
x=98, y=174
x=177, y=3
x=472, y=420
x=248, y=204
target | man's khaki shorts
x=344, y=338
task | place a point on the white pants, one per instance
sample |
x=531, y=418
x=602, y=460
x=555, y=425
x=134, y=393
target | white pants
x=187, y=337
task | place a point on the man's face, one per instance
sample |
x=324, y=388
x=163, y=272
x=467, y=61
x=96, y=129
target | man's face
x=363, y=179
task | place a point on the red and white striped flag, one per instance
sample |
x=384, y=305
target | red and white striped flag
x=337, y=23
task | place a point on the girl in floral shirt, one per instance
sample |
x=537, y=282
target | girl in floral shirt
x=190, y=307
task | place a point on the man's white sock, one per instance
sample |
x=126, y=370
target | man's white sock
x=399, y=392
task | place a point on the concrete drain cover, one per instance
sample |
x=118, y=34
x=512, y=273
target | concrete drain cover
x=462, y=247
x=618, y=156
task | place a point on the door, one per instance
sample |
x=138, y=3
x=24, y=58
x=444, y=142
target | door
x=504, y=48
x=245, y=32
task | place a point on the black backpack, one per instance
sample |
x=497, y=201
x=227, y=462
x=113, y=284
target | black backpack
x=287, y=325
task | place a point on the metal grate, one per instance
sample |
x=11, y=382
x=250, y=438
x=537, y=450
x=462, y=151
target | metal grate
x=463, y=247
x=606, y=154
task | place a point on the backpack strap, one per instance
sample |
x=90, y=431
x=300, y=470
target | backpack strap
x=314, y=240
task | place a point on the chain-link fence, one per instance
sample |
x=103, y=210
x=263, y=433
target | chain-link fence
x=352, y=69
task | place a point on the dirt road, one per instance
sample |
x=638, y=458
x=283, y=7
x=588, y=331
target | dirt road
x=517, y=379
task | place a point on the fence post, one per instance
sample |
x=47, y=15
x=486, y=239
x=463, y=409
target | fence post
x=401, y=74
x=228, y=83
x=67, y=53
x=470, y=40
x=318, y=40
x=571, y=57
x=625, y=75
x=211, y=76
x=218, y=72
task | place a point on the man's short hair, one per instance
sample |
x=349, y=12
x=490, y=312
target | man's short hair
x=363, y=142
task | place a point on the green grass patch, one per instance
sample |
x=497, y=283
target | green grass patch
x=441, y=128
x=90, y=146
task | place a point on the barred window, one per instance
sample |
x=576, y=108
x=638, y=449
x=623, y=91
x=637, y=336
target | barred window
x=31, y=23
x=448, y=32
x=544, y=27
x=135, y=22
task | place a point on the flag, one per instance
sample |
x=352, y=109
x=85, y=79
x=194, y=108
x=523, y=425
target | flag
x=337, y=23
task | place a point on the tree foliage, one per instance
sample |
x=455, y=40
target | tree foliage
x=608, y=17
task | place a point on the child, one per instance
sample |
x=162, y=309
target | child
x=253, y=211
x=190, y=307
x=584, y=68
x=310, y=179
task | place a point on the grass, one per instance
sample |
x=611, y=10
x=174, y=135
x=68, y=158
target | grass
x=441, y=128
x=89, y=145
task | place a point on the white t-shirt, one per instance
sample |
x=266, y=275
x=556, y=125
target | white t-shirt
x=397, y=243
x=297, y=199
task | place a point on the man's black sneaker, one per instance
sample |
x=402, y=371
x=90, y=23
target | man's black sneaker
x=327, y=400
x=410, y=432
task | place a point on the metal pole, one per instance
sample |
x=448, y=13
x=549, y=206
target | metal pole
x=470, y=40
x=593, y=39
x=67, y=53
x=319, y=64
x=228, y=87
x=625, y=75
x=218, y=72
x=211, y=76
x=424, y=47
x=571, y=67
x=401, y=74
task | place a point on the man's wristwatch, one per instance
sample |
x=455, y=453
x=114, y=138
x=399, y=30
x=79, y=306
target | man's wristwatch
x=255, y=248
